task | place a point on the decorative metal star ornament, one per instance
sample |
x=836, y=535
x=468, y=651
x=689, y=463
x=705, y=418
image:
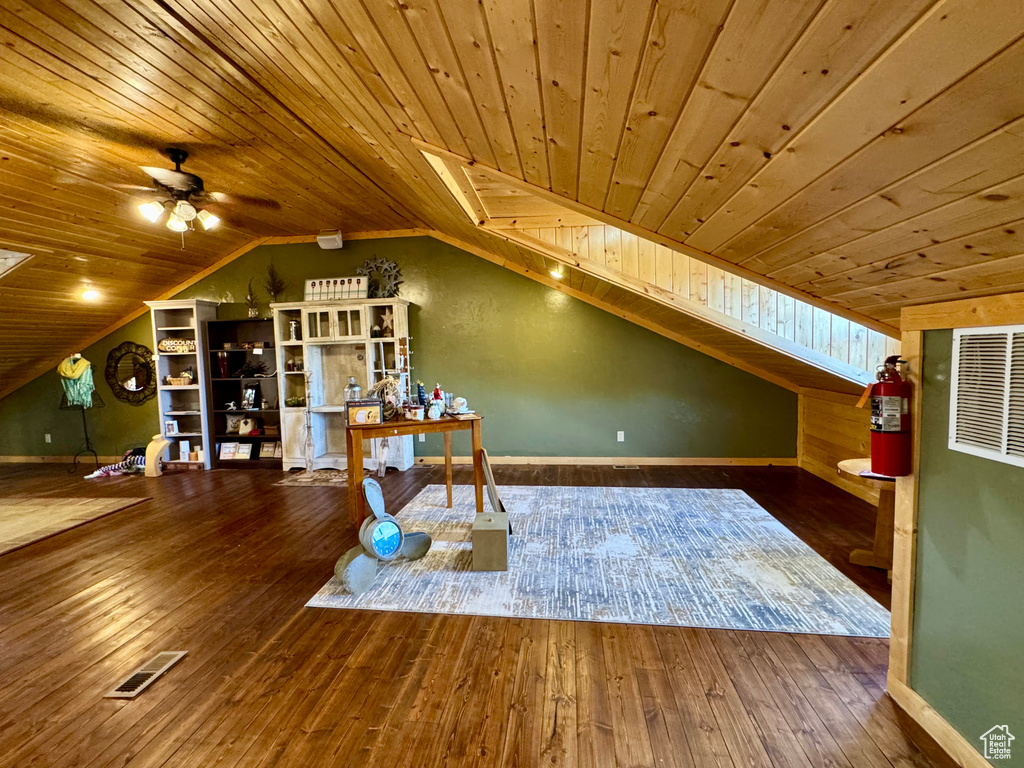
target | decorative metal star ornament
x=384, y=277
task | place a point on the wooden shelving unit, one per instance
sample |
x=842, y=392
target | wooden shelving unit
x=233, y=342
x=184, y=404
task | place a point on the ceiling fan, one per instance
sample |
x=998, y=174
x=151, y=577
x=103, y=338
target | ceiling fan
x=180, y=195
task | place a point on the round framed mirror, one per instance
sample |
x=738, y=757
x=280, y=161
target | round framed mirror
x=130, y=373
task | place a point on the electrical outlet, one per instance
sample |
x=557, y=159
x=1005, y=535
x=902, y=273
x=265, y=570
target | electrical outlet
x=423, y=438
x=47, y=437
x=620, y=436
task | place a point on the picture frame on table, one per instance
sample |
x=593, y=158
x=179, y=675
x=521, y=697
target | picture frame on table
x=171, y=427
x=267, y=450
x=244, y=451
x=227, y=451
x=364, y=412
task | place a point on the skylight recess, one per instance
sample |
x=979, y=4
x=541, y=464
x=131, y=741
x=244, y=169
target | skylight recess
x=11, y=259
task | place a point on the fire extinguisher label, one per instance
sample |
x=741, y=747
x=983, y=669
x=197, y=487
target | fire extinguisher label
x=886, y=412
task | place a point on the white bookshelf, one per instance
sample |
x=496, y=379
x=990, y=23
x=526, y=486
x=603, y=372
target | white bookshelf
x=185, y=404
x=336, y=343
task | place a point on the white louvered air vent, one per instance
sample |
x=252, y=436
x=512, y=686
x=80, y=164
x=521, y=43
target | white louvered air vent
x=986, y=410
x=145, y=675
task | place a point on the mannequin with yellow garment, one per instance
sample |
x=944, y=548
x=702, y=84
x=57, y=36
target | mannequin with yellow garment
x=76, y=376
x=79, y=393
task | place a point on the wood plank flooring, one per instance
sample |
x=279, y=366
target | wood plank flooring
x=221, y=564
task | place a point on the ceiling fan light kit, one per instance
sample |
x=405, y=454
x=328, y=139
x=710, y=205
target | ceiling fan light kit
x=152, y=211
x=207, y=219
x=185, y=211
x=177, y=188
x=175, y=223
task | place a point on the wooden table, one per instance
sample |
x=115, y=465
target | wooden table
x=880, y=556
x=356, y=433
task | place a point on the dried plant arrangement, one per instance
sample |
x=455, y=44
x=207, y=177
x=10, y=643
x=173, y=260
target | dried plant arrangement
x=274, y=283
x=389, y=391
x=252, y=300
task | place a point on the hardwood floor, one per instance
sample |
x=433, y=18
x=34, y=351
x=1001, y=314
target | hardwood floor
x=221, y=564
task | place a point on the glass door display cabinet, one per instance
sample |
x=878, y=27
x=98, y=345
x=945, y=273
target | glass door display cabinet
x=319, y=347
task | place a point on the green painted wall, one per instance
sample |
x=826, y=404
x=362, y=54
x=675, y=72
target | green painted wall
x=968, y=635
x=30, y=412
x=554, y=376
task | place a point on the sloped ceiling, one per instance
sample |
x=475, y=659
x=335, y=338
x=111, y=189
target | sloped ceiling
x=864, y=151
x=736, y=349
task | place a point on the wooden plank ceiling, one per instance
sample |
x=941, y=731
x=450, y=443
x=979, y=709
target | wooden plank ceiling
x=866, y=152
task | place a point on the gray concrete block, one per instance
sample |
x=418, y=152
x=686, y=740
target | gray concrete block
x=490, y=542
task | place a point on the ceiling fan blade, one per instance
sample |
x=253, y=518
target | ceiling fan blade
x=176, y=180
x=139, y=188
x=256, y=202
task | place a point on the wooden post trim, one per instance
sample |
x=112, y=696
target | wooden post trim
x=1007, y=309
x=905, y=527
x=945, y=735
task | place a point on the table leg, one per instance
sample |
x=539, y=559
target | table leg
x=356, y=503
x=478, y=466
x=448, y=465
x=880, y=555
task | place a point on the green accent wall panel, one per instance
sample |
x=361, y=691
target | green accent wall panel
x=967, y=655
x=553, y=375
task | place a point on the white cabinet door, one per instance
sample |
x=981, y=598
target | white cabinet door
x=318, y=326
x=293, y=436
x=348, y=323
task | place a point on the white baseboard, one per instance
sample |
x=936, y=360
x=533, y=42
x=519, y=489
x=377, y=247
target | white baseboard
x=684, y=461
x=946, y=736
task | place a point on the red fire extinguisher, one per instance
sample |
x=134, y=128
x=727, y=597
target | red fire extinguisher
x=890, y=421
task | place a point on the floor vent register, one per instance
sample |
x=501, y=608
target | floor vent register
x=145, y=675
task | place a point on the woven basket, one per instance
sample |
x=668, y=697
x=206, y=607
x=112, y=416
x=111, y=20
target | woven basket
x=178, y=381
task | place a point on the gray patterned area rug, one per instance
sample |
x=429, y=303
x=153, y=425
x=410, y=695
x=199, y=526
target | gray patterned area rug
x=329, y=478
x=670, y=556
